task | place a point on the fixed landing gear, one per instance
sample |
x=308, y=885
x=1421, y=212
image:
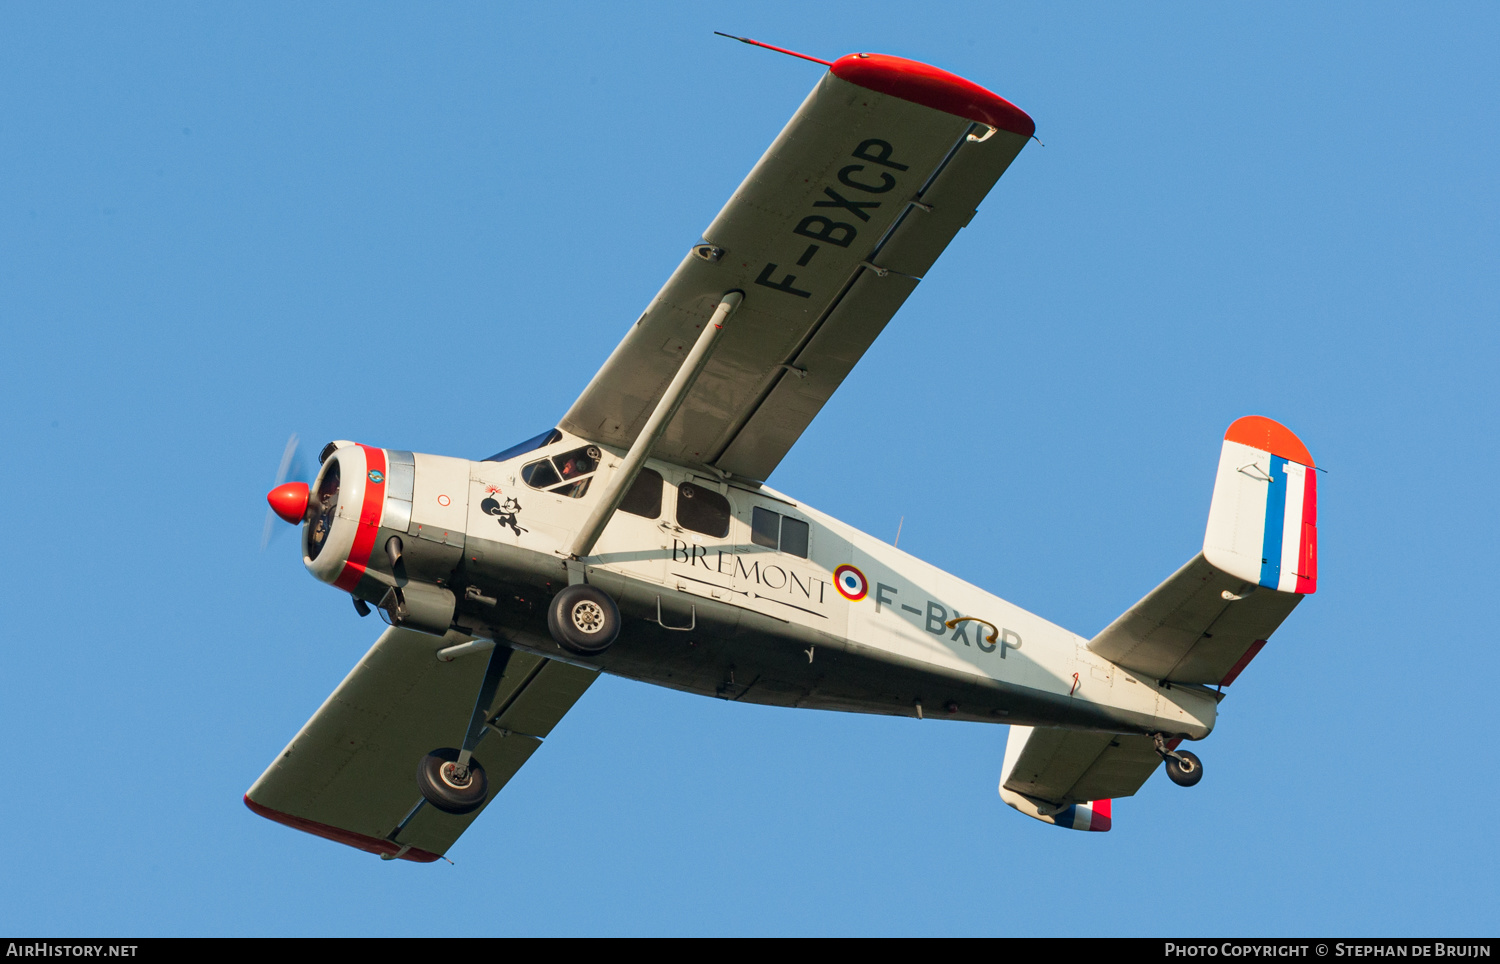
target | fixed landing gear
x=1183, y=768
x=449, y=786
x=583, y=620
x=452, y=780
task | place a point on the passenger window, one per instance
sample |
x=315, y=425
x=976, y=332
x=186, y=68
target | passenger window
x=775, y=531
x=794, y=537
x=644, y=497
x=575, y=468
x=765, y=528
x=702, y=510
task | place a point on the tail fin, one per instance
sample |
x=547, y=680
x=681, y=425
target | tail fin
x=1263, y=522
x=1042, y=775
x=1093, y=815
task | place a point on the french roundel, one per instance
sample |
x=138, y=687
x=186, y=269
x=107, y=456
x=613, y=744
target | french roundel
x=850, y=583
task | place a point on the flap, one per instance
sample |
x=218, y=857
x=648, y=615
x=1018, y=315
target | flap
x=826, y=237
x=350, y=773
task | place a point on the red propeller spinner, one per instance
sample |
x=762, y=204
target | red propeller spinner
x=289, y=501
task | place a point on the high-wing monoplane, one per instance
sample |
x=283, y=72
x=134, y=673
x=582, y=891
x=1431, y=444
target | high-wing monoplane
x=638, y=536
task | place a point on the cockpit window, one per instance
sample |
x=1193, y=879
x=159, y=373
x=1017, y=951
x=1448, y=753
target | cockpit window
x=577, y=462
x=574, y=490
x=540, y=475
x=574, y=469
x=530, y=445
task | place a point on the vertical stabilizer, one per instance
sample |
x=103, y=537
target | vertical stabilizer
x=1263, y=522
x=1049, y=762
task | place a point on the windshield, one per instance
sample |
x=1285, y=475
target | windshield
x=530, y=445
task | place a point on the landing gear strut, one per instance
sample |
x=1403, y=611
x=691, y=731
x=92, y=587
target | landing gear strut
x=452, y=780
x=1183, y=768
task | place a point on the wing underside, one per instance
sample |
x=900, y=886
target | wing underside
x=350, y=773
x=828, y=235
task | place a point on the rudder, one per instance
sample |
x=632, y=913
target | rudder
x=1262, y=523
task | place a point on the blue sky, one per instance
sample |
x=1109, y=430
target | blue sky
x=426, y=227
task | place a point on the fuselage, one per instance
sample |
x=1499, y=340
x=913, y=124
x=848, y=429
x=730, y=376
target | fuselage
x=728, y=589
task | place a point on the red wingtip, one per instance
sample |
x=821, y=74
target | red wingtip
x=359, y=841
x=289, y=501
x=931, y=87
x=1268, y=435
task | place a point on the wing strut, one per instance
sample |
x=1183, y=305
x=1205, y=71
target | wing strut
x=671, y=400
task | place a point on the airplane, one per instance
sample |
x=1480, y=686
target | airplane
x=639, y=537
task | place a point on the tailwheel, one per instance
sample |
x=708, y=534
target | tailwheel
x=583, y=620
x=1184, y=768
x=450, y=785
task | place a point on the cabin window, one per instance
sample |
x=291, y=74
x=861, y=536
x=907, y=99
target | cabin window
x=644, y=497
x=574, y=469
x=776, y=531
x=765, y=528
x=702, y=510
x=794, y=534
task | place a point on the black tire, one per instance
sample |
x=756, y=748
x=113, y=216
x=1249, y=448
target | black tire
x=1186, y=771
x=435, y=780
x=583, y=620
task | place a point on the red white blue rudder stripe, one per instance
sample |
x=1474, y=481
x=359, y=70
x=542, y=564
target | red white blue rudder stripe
x=1029, y=751
x=1093, y=815
x=1263, y=523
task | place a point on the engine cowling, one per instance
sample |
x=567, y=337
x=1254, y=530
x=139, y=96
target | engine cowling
x=387, y=526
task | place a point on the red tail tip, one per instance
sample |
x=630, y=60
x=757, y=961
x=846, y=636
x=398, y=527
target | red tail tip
x=289, y=501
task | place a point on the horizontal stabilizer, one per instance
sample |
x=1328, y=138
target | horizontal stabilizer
x=1197, y=627
x=1259, y=559
x=1068, y=777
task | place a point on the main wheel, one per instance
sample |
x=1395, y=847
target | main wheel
x=583, y=620
x=1186, y=771
x=445, y=788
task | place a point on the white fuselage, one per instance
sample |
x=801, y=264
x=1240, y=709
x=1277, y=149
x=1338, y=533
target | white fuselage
x=723, y=613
